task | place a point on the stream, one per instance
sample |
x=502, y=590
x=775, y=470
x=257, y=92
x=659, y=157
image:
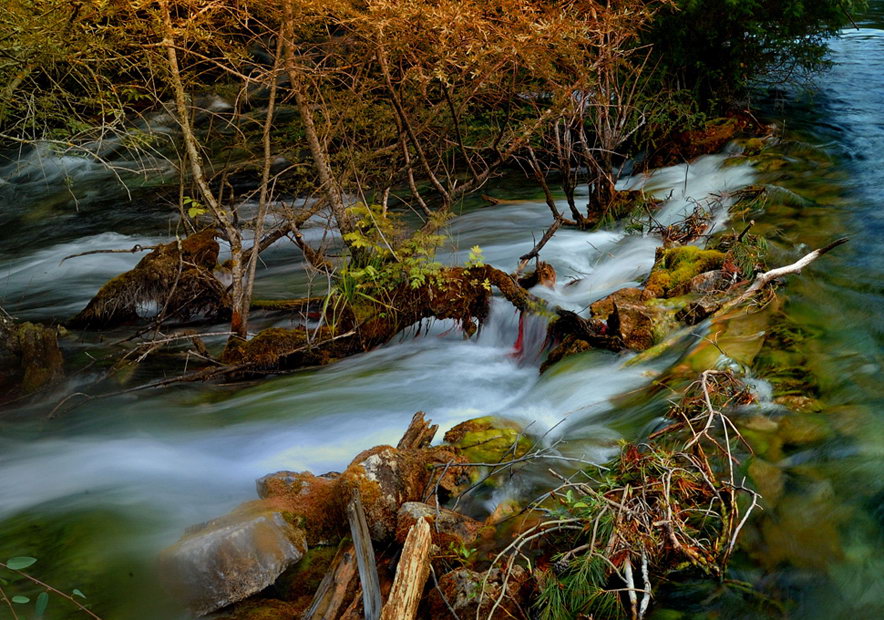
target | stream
x=95, y=493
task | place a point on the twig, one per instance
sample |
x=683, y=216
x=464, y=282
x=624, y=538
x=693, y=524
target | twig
x=136, y=248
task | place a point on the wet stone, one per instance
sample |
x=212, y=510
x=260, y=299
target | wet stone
x=231, y=558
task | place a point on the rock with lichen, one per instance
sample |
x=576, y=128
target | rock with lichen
x=231, y=558
x=386, y=478
x=448, y=528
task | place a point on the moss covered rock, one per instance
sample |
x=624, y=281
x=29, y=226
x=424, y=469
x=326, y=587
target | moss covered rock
x=178, y=276
x=636, y=324
x=488, y=440
x=677, y=266
x=315, y=503
x=30, y=357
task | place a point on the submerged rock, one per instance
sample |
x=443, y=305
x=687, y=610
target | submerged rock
x=231, y=558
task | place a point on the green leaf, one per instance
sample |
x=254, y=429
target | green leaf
x=78, y=593
x=20, y=562
x=21, y=600
x=42, y=602
x=195, y=211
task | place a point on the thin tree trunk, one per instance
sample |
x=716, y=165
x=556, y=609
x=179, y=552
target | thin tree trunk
x=191, y=145
x=264, y=194
x=329, y=182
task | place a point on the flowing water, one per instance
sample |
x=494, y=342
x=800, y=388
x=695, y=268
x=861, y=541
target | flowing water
x=96, y=492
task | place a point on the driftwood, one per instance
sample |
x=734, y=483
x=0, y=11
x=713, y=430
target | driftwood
x=365, y=559
x=336, y=587
x=411, y=574
x=763, y=279
x=419, y=434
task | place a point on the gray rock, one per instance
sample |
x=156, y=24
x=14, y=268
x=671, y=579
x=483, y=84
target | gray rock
x=231, y=558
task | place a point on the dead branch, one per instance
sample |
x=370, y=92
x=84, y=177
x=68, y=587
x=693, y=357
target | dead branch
x=763, y=279
x=411, y=574
x=365, y=558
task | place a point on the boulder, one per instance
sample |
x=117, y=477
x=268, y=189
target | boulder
x=317, y=502
x=447, y=527
x=231, y=558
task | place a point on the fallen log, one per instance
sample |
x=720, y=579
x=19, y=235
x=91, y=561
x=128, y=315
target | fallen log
x=411, y=574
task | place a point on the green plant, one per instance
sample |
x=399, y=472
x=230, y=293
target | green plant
x=394, y=255
x=475, y=259
x=16, y=566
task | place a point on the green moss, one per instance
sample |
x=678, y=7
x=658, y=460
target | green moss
x=489, y=440
x=677, y=266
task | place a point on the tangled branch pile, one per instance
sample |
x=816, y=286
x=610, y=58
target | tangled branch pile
x=671, y=504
